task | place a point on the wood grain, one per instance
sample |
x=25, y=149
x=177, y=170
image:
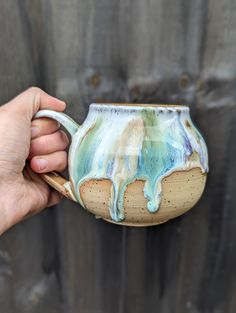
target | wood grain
x=152, y=51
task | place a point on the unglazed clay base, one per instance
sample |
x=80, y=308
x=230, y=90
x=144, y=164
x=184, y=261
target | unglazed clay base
x=181, y=191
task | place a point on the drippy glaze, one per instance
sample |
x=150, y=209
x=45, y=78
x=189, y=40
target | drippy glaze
x=128, y=143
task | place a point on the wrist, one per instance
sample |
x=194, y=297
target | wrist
x=10, y=211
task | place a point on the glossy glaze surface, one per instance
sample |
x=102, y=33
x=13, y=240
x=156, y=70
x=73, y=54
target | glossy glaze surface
x=124, y=144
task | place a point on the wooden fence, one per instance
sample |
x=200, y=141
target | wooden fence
x=182, y=51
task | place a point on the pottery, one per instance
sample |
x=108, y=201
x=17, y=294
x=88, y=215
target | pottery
x=133, y=164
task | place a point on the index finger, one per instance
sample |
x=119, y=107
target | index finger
x=34, y=99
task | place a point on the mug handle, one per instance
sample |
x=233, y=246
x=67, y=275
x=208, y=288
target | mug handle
x=54, y=179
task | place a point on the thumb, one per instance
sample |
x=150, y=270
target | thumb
x=33, y=99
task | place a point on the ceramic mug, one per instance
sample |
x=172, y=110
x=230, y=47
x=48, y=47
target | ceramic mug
x=133, y=164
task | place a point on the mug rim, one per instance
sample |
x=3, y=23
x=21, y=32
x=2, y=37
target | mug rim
x=146, y=105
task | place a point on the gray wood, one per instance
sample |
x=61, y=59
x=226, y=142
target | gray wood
x=28, y=274
x=183, y=51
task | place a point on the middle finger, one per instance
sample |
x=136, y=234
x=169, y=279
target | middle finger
x=43, y=126
x=57, y=141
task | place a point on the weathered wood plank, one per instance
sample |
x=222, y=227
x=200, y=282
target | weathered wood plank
x=220, y=40
x=28, y=280
x=144, y=51
x=162, y=61
x=204, y=276
x=6, y=286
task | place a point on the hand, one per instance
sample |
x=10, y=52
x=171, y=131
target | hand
x=22, y=192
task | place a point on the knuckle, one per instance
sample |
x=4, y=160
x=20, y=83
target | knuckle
x=55, y=124
x=60, y=165
x=46, y=125
x=62, y=161
x=45, y=144
x=34, y=89
x=63, y=137
x=35, y=94
x=51, y=125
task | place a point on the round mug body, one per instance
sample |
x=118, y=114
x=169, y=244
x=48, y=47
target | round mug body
x=133, y=164
x=137, y=165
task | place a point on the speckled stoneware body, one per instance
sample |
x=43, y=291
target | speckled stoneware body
x=135, y=164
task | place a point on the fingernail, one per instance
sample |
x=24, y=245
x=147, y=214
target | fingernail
x=42, y=164
x=34, y=131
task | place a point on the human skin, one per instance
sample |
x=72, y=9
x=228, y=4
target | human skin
x=28, y=147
